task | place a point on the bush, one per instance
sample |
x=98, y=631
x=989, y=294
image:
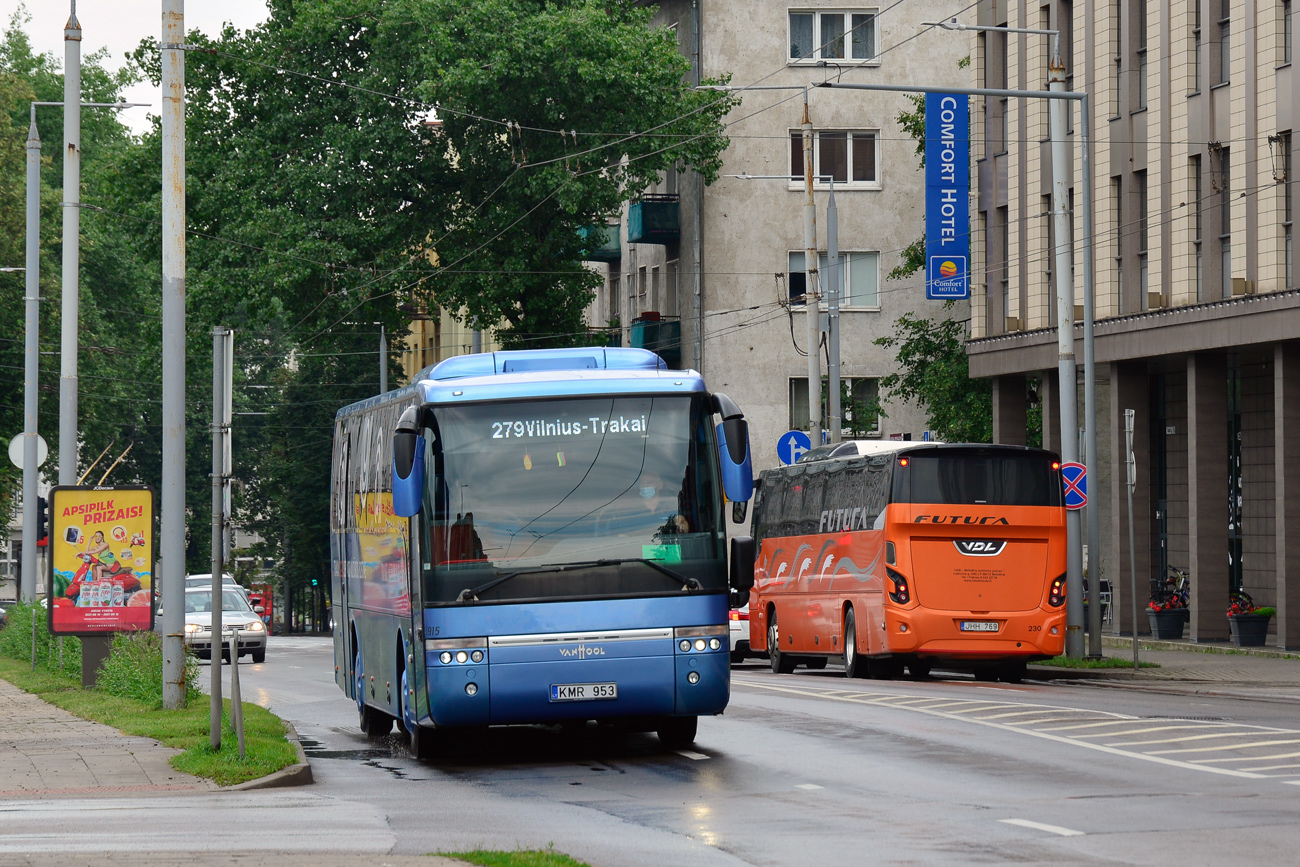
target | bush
x=134, y=669
x=16, y=641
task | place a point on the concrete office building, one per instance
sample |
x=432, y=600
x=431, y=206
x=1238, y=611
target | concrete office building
x=723, y=265
x=1192, y=110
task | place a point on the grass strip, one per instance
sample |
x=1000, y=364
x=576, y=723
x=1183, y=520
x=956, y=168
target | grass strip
x=266, y=749
x=520, y=858
x=1104, y=662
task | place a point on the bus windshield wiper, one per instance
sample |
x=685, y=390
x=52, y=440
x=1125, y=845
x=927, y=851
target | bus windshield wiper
x=687, y=582
x=471, y=594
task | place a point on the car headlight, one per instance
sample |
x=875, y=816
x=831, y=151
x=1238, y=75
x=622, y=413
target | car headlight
x=255, y=626
x=191, y=628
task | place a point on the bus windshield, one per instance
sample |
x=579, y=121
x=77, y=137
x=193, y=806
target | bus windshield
x=620, y=491
x=960, y=476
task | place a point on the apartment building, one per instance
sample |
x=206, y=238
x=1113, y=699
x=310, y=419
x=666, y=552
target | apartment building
x=714, y=277
x=1197, y=313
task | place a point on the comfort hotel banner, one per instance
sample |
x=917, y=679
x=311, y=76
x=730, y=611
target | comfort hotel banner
x=947, y=196
x=101, y=560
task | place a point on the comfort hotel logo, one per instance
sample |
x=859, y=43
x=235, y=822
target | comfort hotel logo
x=582, y=651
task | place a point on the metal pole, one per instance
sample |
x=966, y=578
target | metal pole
x=834, y=287
x=172, y=548
x=1065, y=354
x=812, y=308
x=227, y=445
x=68, y=446
x=218, y=524
x=475, y=338
x=1090, y=380
x=236, y=695
x=383, y=361
x=1131, y=463
x=31, y=364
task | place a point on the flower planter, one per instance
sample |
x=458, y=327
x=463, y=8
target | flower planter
x=1166, y=624
x=1248, y=630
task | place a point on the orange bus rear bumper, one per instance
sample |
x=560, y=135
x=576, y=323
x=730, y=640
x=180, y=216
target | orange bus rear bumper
x=938, y=633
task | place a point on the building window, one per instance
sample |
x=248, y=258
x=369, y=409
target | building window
x=861, y=278
x=1141, y=43
x=1142, y=235
x=848, y=156
x=1117, y=198
x=846, y=36
x=1225, y=53
x=1198, y=46
x=1003, y=263
x=1286, y=31
x=1287, y=260
x=1116, y=60
x=1198, y=221
x=670, y=288
x=1225, y=225
x=858, y=396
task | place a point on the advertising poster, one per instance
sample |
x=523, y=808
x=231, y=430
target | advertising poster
x=947, y=196
x=101, y=560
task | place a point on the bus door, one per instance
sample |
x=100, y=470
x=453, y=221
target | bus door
x=340, y=515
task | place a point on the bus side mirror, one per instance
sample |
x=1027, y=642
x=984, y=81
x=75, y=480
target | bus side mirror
x=742, y=569
x=739, y=509
x=733, y=451
x=408, y=465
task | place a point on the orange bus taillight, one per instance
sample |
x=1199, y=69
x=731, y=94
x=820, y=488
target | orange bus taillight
x=1057, y=597
x=899, y=594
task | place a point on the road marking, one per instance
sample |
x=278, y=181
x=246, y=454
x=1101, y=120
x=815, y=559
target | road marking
x=1018, y=713
x=1116, y=722
x=1039, y=826
x=1269, y=767
x=1184, y=739
x=1248, y=758
x=1143, y=731
x=1216, y=749
x=809, y=786
x=692, y=755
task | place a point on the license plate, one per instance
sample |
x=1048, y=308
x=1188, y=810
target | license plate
x=979, y=626
x=583, y=691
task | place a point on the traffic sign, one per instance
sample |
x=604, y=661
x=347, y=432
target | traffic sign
x=791, y=444
x=1075, y=478
x=16, y=446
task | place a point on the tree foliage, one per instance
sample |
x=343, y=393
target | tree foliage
x=934, y=372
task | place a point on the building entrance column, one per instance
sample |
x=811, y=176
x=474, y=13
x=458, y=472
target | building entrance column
x=1130, y=389
x=1286, y=456
x=1009, y=410
x=1207, y=493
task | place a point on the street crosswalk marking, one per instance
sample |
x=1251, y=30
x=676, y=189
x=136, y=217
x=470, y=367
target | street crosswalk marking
x=1210, y=746
x=1042, y=826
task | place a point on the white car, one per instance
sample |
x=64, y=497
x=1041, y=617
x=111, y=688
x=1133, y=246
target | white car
x=739, y=620
x=235, y=614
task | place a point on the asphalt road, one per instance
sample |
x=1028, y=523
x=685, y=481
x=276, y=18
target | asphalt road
x=803, y=769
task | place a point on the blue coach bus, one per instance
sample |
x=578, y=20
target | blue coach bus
x=537, y=537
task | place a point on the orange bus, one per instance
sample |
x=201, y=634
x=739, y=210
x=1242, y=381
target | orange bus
x=950, y=553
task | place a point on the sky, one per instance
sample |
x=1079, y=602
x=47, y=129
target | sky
x=119, y=25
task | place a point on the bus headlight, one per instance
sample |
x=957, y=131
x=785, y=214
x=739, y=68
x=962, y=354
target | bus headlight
x=693, y=677
x=471, y=689
x=714, y=644
x=685, y=645
x=445, y=657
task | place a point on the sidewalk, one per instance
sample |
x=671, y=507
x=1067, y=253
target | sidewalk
x=46, y=752
x=1187, y=667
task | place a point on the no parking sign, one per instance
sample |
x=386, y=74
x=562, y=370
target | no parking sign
x=1074, y=477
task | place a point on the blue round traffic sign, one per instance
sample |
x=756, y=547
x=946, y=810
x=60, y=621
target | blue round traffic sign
x=791, y=444
x=1074, y=478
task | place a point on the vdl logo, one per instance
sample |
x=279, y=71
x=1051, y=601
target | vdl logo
x=582, y=651
x=979, y=547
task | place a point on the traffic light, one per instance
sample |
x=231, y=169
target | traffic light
x=315, y=582
x=42, y=522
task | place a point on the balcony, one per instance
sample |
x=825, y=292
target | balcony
x=600, y=244
x=663, y=336
x=654, y=220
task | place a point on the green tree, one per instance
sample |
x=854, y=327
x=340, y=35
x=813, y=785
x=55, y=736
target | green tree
x=934, y=372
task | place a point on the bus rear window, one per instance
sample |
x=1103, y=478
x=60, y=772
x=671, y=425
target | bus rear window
x=977, y=477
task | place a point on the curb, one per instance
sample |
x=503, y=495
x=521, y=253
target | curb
x=297, y=774
x=1118, y=641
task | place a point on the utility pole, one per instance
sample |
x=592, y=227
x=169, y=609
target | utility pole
x=1066, y=379
x=173, y=351
x=812, y=307
x=31, y=362
x=68, y=446
x=383, y=361
x=833, y=292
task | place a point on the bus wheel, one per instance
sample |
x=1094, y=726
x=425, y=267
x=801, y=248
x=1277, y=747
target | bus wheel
x=677, y=732
x=855, y=664
x=782, y=663
x=1012, y=672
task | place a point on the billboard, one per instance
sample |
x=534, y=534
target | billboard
x=101, y=560
x=947, y=196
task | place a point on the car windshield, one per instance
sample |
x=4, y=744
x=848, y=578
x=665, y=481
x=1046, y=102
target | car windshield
x=528, y=486
x=201, y=603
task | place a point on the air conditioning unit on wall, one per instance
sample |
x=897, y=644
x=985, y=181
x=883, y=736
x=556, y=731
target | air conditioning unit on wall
x=1242, y=286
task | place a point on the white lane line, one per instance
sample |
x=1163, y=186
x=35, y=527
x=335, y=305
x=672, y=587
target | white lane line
x=692, y=755
x=1092, y=725
x=808, y=786
x=1044, y=721
x=1270, y=767
x=1020, y=713
x=1273, y=757
x=984, y=708
x=1180, y=739
x=1040, y=826
x=1218, y=749
x=1151, y=729
x=1101, y=748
